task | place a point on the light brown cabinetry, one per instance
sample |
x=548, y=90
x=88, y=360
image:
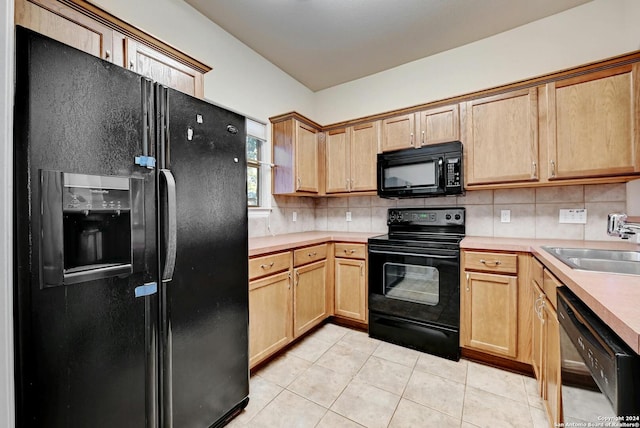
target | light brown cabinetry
x=500, y=134
x=350, y=158
x=546, y=341
x=593, y=124
x=163, y=69
x=270, y=311
x=82, y=25
x=495, y=312
x=431, y=126
x=350, y=281
x=296, y=155
x=270, y=305
x=310, y=296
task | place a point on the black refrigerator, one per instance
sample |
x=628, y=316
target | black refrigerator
x=130, y=213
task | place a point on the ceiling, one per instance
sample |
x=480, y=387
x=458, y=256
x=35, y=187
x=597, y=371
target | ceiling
x=323, y=43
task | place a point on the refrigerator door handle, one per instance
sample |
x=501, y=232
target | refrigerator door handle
x=172, y=226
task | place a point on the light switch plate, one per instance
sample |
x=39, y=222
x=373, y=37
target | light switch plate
x=294, y=217
x=505, y=216
x=573, y=215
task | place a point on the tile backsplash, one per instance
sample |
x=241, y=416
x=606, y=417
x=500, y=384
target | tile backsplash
x=534, y=212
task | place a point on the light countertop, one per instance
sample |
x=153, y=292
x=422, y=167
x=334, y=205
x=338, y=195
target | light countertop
x=270, y=244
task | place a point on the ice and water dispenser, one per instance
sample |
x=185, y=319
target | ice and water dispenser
x=92, y=227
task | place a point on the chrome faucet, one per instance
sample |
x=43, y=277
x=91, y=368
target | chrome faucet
x=617, y=225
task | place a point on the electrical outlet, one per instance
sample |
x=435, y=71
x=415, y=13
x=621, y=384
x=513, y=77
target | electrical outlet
x=294, y=217
x=573, y=215
x=348, y=215
x=505, y=216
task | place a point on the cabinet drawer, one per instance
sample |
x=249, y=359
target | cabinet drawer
x=309, y=254
x=351, y=251
x=267, y=265
x=491, y=262
x=537, y=271
x=549, y=285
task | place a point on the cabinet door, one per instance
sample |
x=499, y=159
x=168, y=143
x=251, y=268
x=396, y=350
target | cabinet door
x=364, y=149
x=439, y=125
x=55, y=20
x=167, y=71
x=489, y=315
x=501, y=138
x=270, y=311
x=306, y=158
x=310, y=296
x=337, y=160
x=551, y=375
x=593, y=124
x=350, y=289
x=398, y=132
x=537, y=333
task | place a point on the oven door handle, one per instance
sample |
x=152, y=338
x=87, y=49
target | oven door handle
x=399, y=253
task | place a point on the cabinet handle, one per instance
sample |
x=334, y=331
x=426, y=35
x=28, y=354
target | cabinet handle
x=107, y=54
x=422, y=142
x=468, y=283
x=289, y=276
x=534, y=174
x=553, y=168
x=542, y=305
x=361, y=269
x=269, y=266
x=349, y=251
x=411, y=140
x=347, y=185
x=131, y=65
x=298, y=183
x=312, y=254
x=297, y=278
x=490, y=263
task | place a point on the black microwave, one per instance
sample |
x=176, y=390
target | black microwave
x=434, y=170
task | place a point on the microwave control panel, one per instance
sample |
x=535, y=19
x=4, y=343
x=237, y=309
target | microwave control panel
x=452, y=173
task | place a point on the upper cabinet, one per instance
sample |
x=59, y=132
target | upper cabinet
x=593, y=123
x=84, y=26
x=431, y=126
x=350, y=158
x=500, y=136
x=296, y=154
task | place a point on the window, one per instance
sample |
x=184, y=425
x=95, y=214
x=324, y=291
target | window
x=256, y=142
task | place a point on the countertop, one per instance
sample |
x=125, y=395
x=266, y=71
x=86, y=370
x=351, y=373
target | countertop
x=615, y=298
x=270, y=244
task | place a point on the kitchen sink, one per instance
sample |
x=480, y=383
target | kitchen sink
x=611, y=261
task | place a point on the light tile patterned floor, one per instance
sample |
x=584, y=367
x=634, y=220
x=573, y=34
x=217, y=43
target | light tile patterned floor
x=338, y=377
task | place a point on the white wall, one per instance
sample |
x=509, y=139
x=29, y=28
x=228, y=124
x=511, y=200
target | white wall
x=587, y=33
x=6, y=213
x=241, y=79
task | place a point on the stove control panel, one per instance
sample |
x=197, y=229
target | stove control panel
x=426, y=216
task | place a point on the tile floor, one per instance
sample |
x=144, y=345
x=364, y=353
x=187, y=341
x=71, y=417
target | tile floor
x=338, y=377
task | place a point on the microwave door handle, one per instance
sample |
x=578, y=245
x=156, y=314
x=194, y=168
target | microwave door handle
x=441, y=184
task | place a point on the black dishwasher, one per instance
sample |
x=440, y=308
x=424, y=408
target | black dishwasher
x=600, y=373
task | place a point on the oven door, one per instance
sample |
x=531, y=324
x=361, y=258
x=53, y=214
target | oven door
x=415, y=283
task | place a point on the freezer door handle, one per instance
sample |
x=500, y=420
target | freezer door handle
x=171, y=226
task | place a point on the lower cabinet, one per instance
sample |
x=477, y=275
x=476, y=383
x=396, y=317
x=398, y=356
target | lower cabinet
x=490, y=313
x=350, y=289
x=310, y=296
x=546, y=358
x=270, y=306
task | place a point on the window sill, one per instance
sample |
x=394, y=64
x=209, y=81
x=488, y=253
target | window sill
x=259, y=212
